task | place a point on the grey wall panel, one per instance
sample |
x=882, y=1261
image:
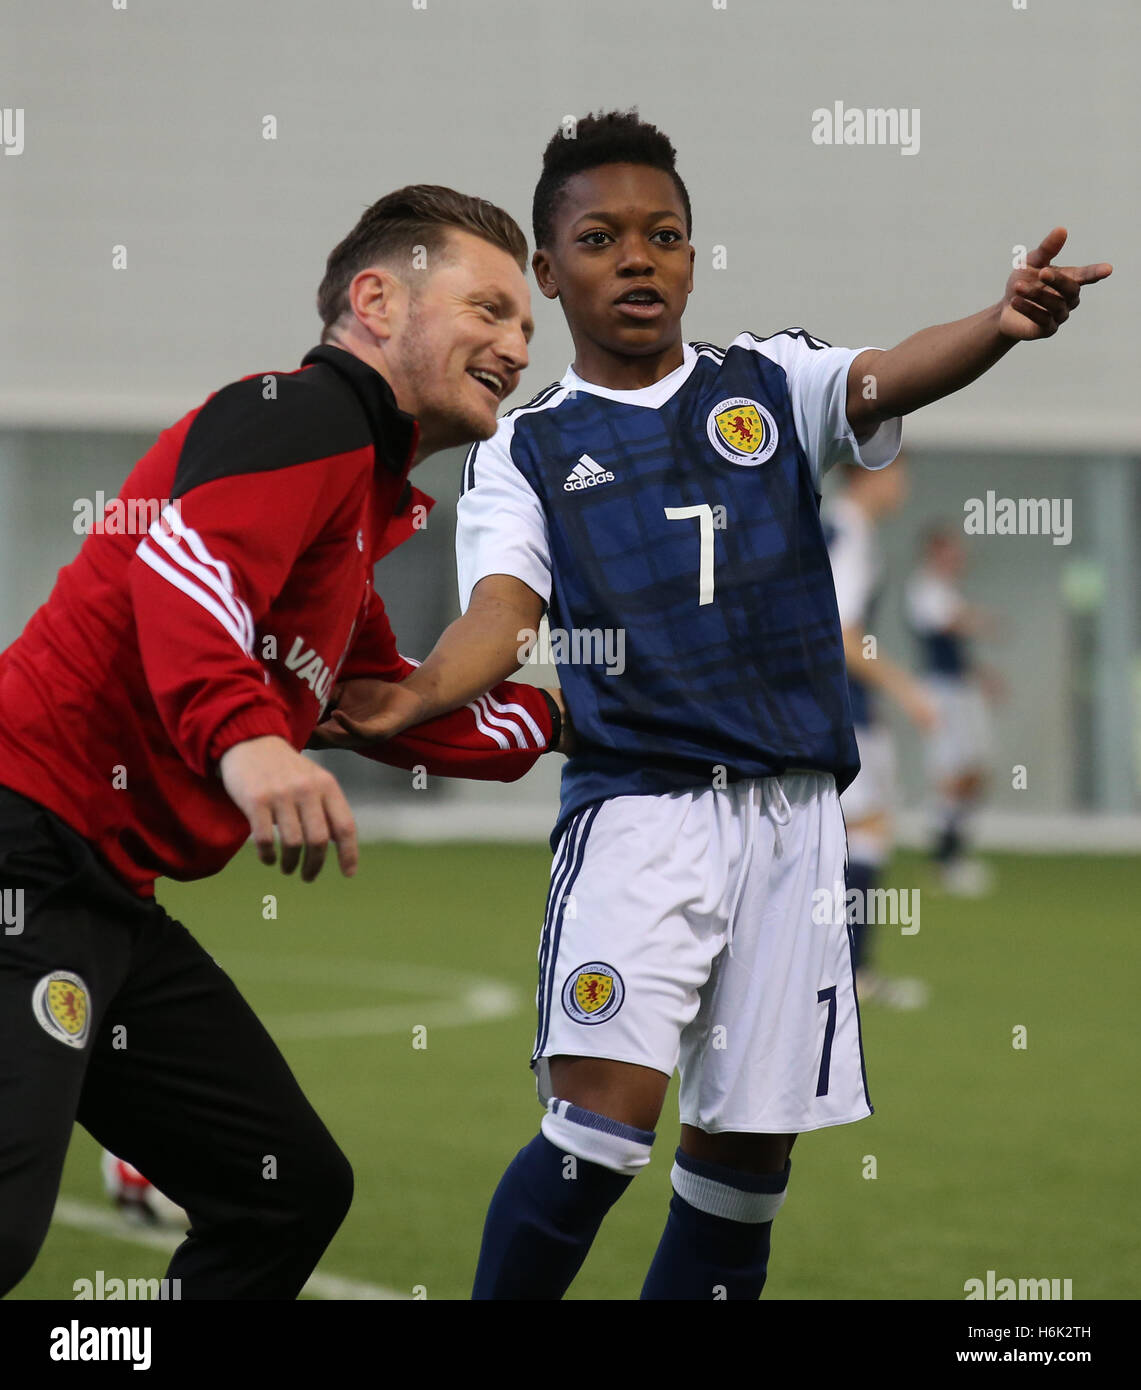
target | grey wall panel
x=143, y=129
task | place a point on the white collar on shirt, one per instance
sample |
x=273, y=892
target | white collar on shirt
x=653, y=396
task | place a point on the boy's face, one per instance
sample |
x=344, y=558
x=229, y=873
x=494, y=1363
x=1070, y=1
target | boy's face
x=948, y=557
x=620, y=262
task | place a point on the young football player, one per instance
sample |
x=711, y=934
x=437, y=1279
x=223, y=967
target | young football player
x=669, y=492
x=850, y=521
x=958, y=746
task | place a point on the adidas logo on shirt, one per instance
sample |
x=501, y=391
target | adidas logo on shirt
x=586, y=473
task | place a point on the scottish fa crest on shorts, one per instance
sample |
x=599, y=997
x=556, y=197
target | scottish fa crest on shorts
x=60, y=1004
x=742, y=430
x=593, y=993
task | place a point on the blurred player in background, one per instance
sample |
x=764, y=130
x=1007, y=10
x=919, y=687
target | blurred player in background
x=669, y=492
x=136, y=1197
x=851, y=517
x=959, y=745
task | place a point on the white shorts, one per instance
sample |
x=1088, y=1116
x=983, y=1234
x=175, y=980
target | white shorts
x=688, y=930
x=962, y=741
x=872, y=793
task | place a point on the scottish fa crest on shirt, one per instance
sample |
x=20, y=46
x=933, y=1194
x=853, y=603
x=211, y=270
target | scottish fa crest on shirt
x=742, y=430
x=593, y=993
x=59, y=1003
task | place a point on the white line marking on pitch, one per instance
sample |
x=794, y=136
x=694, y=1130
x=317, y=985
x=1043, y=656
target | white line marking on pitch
x=451, y=998
x=86, y=1217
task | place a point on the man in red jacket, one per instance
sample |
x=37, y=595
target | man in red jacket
x=152, y=716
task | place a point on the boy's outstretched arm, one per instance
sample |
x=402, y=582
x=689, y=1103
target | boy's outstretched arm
x=938, y=361
x=475, y=653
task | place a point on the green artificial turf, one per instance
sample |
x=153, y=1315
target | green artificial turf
x=986, y=1156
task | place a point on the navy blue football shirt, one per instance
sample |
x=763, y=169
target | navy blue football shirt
x=933, y=605
x=674, y=533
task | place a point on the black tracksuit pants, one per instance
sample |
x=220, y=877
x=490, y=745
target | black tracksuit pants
x=113, y=1015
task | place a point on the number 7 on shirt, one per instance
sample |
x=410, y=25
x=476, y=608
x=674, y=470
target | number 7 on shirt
x=704, y=514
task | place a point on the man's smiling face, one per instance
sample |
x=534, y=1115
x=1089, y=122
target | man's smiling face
x=463, y=341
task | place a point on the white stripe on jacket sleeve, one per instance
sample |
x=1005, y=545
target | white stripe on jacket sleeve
x=486, y=729
x=498, y=721
x=206, y=580
x=520, y=712
x=224, y=585
x=192, y=590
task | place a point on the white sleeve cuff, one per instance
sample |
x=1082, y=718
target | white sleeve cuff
x=881, y=448
x=516, y=564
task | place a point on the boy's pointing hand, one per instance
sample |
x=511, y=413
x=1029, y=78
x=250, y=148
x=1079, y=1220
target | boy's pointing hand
x=1040, y=298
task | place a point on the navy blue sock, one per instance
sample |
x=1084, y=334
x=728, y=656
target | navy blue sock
x=541, y=1223
x=949, y=841
x=863, y=877
x=704, y=1256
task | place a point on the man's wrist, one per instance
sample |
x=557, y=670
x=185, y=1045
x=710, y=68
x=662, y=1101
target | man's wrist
x=251, y=722
x=556, y=720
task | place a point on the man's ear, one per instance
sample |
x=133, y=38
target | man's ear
x=377, y=299
x=544, y=275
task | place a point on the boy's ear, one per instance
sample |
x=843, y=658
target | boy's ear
x=544, y=275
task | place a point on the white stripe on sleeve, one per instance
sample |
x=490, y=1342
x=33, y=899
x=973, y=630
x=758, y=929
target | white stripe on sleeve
x=211, y=574
x=499, y=722
x=520, y=712
x=488, y=732
x=182, y=581
x=223, y=585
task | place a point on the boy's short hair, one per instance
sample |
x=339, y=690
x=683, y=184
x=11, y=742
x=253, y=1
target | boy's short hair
x=389, y=231
x=935, y=534
x=609, y=137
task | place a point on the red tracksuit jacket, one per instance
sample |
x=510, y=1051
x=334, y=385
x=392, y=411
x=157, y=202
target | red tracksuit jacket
x=218, y=600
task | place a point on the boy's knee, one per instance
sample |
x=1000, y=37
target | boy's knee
x=596, y=1138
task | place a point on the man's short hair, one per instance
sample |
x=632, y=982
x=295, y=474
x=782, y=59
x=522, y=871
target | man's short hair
x=609, y=137
x=390, y=231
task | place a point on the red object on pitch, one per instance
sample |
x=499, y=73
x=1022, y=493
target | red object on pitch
x=129, y=1182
